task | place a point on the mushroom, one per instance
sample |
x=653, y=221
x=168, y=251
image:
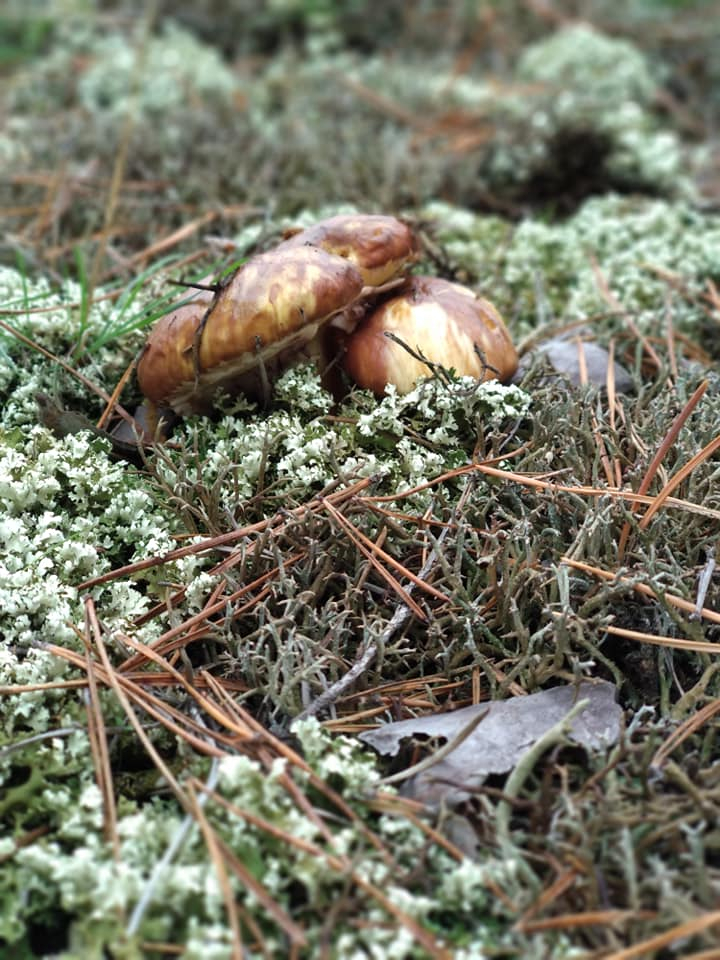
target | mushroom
x=379, y=246
x=270, y=310
x=442, y=322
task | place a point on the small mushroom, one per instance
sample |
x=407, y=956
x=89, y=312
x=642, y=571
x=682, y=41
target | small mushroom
x=445, y=323
x=271, y=311
x=379, y=246
x=273, y=305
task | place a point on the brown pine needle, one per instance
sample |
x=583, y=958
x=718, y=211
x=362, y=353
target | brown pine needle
x=560, y=885
x=99, y=748
x=294, y=933
x=676, y=643
x=67, y=367
x=662, y=451
x=225, y=539
x=677, y=479
x=583, y=491
x=590, y=918
x=173, y=238
x=127, y=707
x=210, y=838
x=162, y=679
x=342, y=865
x=643, y=588
x=413, y=578
x=238, y=729
x=161, y=643
x=685, y=730
x=678, y=932
x=385, y=574
x=671, y=436
x=119, y=387
x=615, y=305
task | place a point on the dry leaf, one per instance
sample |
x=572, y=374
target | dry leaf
x=506, y=731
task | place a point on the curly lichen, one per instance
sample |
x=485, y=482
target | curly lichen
x=74, y=873
x=575, y=116
x=645, y=250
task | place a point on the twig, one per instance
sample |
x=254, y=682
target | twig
x=438, y=755
x=704, y=583
x=398, y=620
x=171, y=852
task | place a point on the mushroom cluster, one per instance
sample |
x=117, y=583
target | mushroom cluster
x=332, y=290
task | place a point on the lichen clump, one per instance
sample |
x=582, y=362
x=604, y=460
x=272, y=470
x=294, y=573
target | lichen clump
x=299, y=450
x=74, y=872
x=646, y=251
x=566, y=199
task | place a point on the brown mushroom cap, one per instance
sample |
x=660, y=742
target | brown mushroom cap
x=271, y=306
x=443, y=321
x=379, y=246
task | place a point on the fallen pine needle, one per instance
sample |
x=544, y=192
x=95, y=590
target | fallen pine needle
x=686, y=929
x=643, y=588
x=590, y=918
x=686, y=729
x=699, y=646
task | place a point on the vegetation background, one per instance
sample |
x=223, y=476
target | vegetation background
x=172, y=783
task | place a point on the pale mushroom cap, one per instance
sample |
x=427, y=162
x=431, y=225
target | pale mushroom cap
x=272, y=305
x=379, y=246
x=445, y=322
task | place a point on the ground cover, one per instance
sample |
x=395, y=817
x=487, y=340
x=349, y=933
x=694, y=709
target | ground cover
x=192, y=645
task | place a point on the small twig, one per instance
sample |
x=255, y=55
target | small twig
x=438, y=755
x=211, y=287
x=397, y=621
x=171, y=852
x=436, y=369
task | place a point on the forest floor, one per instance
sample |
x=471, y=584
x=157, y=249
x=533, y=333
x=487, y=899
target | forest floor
x=198, y=648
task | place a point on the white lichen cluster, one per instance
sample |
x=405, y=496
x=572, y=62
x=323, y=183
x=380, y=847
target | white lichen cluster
x=41, y=311
x=401, y=441
x=175, y=68
x=579, y=79
x=594, y=66
x=166, y=73
x=65, y=509
x=577, y=87
x=76, y=872
x=68, y=515
x=546, y=271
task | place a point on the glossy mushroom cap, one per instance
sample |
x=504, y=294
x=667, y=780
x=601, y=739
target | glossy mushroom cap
x=377, y=245
x=273, y=305
x=270, y=311
x=442, y=321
